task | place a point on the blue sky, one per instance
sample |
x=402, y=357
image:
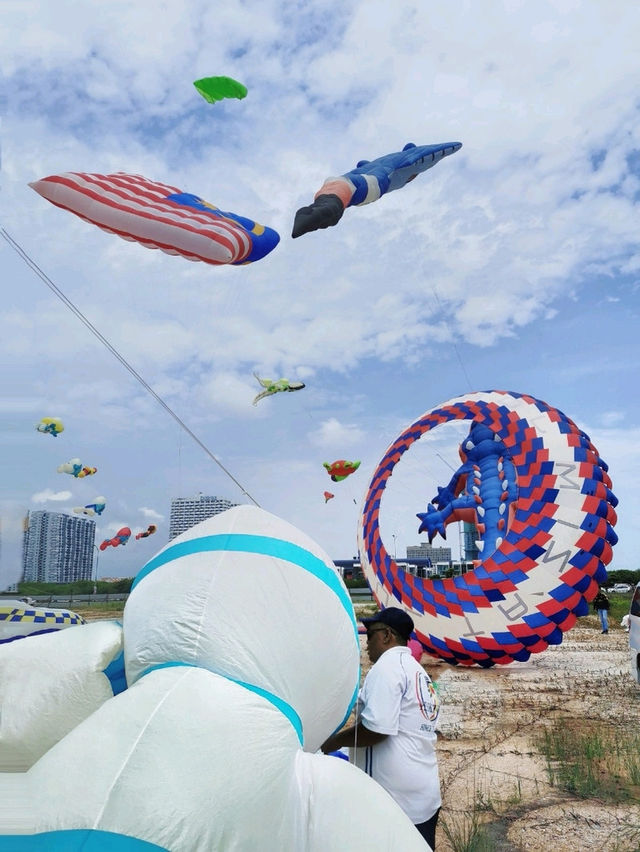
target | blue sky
x=513, y=264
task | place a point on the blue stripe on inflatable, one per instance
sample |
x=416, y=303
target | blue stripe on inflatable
x=279, y=703
x=76, y=840
x=354, y=698
x=261, y=544
x=26, y=635
x=116, y=674
x=266, y=546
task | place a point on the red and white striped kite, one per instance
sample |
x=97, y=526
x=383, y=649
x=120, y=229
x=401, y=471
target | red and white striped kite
x=159, y=216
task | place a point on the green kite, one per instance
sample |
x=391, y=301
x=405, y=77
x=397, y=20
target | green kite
x=215, y=89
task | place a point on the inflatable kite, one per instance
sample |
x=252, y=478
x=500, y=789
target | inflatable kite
x=215, y=89
x=328, y=496
x=279, y=386
x=95, y=508
x=539, y=495
x=159, y=216
x=213, y=693
x=87, y=471
x=339, y=470
x=74, y=467
x=481, y=492
x=49, y=685
x=367, y=182
x=19, y=619
x=50, y=426
x=120, y=538
x=149, y=531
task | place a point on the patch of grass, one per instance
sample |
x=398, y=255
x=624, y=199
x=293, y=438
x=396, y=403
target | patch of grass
x=516, y=797
x=467, y=833
x=620, y=604
x=602, y=764
x=79, y=587
x=100, y=606
x=483, y=802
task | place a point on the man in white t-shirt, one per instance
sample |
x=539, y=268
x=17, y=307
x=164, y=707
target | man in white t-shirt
x=397, y=713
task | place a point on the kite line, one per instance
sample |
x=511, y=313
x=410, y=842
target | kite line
x=86, y=322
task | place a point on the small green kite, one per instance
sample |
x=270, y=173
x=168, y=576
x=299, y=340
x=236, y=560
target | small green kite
x=215, y=89
x=279, y=386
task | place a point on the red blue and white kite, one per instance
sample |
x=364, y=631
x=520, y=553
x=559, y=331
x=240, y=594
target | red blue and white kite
x=159, y=216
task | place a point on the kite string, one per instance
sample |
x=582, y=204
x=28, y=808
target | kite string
x=455, y=347
x=78, y=313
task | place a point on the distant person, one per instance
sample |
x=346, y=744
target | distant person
x=397, y=713
x=601, y=605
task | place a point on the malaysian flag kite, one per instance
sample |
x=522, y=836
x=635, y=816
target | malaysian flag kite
x=159, y=216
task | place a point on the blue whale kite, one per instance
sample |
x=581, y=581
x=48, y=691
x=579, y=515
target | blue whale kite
x=367, y=182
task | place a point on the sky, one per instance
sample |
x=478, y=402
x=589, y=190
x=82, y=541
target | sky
x=513, y=264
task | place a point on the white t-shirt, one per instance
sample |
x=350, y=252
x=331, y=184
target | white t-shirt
x=398, y=698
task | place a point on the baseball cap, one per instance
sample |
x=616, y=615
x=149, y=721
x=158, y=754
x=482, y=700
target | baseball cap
x=395, y=618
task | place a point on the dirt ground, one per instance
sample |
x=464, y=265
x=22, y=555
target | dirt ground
x=489, y=763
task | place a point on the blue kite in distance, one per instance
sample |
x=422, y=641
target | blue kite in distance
x=367, y=182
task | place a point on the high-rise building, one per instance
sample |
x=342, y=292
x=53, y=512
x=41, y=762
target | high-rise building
x=186, y=512
x=58, y=548
x=470, y=547
x=428, y=551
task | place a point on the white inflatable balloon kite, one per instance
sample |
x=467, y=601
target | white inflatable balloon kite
x=159, y=216
x=539, y=495
x=49, y=685
x=233, y=684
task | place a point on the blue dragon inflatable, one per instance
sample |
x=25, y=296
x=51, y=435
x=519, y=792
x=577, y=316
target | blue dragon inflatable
x=482, y=491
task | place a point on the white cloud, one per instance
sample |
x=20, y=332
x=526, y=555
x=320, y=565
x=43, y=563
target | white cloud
x=151, y=513
x=332, y=434
x=48, y=496
x=611, y=418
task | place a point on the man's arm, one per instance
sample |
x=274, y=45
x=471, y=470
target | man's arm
x=347, y=737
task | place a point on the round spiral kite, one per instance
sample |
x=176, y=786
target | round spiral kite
x=551, y=551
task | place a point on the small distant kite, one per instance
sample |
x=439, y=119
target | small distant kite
x=279, y=386
x=50, y=426
x=121, y=537
x=159, y=216
x=366, y=183
x=87, y=471
x=95, y=508
x=341, y=469
x=74, y=467
x=328, y=496
x=215, y=89
x=149, y=531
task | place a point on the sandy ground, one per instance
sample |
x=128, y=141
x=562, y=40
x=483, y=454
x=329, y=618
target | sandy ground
x=489, y=763
x=488, y=758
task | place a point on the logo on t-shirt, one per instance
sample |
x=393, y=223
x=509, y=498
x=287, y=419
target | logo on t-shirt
x=427, y=697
